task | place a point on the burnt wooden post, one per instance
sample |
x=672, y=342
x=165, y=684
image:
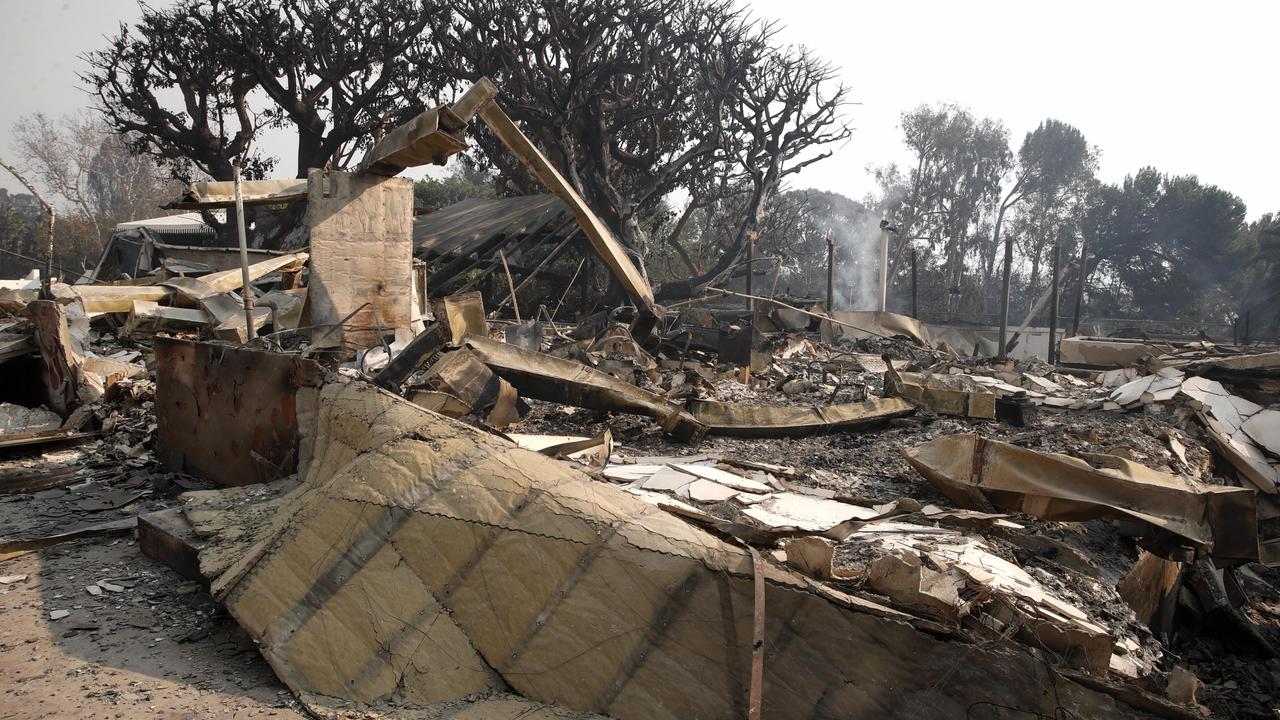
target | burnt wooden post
x=1053, y=306
x=1003, y=352
x=915, y=294
x=1075, y=321
x=831, y=271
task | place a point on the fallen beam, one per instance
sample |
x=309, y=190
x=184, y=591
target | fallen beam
x=978, y=473
x=554, y=379
x=119, y=298
x=606, y=245
x=767, y=421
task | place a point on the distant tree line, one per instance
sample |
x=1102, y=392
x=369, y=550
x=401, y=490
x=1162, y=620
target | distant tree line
x=89, y=172
x=684, y=124
x=1156, y=246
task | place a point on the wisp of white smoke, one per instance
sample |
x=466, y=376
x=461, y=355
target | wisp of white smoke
x=858, y=264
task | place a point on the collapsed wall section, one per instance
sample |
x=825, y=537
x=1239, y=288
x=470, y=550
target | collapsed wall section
x=423, y=561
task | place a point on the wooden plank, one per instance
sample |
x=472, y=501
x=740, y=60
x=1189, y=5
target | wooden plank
x=113, y=298
x=605, y=244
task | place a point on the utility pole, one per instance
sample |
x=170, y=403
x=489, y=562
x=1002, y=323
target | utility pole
x=831, y=271
x=1053, y=306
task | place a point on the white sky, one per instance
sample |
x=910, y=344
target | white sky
x=1186, y=87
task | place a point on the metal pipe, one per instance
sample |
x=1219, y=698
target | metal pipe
x=1053, y=305
x=515, y=304
x=244, y=258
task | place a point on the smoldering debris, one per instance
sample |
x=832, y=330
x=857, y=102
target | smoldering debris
x=419, y=505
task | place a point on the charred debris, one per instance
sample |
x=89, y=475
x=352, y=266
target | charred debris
x=729, y=506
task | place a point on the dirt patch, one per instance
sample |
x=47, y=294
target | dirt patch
x=160, y=647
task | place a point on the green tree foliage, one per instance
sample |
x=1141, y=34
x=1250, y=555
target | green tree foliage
x=940, y=202
x=1055, y=162
x=1256, y=283
x=17, y=234
x=433, y=193
x=1168, y=243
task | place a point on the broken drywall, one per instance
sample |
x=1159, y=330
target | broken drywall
x=423, y=561
x=978, y=473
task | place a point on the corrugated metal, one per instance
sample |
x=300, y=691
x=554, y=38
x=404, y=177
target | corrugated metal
x=465, y=226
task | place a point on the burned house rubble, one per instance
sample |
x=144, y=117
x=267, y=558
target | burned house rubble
x=421, y=497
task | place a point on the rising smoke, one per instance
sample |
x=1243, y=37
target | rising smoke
x=858, y=263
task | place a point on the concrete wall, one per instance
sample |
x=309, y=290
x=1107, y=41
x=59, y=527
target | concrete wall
x=1032, y=343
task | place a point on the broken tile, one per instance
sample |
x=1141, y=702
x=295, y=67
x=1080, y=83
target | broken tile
x=723, y=477
x=805, y=512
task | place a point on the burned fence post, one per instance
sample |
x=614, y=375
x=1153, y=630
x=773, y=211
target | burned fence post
x=831, y=271
x=244, y=257
x=884, y=264
x=1084, y=270
x=1052, y=353
x=1003, y=351
x=915, y=292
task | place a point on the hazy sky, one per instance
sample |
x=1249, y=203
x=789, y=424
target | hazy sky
x=1186, y=87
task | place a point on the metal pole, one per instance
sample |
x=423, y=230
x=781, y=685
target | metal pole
x=751, y=270
x=915, y=297
x=884, y=264
x=1004, y=299
x=1053, y=306
x=831, y=271
x=515, y=304
x=1075, y=321
x=244, y=258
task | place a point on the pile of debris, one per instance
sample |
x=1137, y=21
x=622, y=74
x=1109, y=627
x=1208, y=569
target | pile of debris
x=416, y=507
